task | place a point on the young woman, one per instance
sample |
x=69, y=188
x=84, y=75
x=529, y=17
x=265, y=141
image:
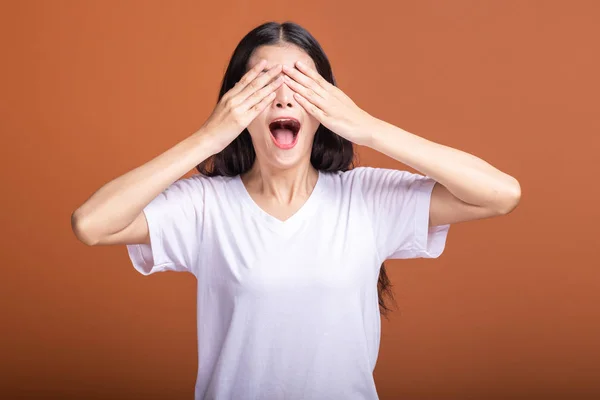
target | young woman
x=286, y=239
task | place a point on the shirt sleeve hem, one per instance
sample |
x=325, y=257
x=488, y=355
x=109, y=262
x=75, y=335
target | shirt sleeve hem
x=429, y=241
x=146, y=258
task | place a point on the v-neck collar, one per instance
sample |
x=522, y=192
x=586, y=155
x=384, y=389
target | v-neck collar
x=272, y=222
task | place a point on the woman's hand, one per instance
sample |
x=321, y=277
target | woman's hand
x=328, y=104
x=240, y=105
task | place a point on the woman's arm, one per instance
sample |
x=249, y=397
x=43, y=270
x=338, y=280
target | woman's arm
x=467, y=188
x=113, y=214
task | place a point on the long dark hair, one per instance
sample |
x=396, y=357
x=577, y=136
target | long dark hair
x=330, y=152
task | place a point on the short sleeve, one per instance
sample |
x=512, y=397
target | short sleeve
x=174, y=223
x=398, y=206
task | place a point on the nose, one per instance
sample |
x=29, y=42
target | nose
x=284, y=97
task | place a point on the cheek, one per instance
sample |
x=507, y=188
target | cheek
x=259, y=131
x=314, y=124
x=257, y=124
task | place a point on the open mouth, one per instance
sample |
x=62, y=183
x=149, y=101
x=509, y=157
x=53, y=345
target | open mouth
x=285, y=132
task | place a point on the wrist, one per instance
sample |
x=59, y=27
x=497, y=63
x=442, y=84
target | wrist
x=371, y=130
x=203, y=144
x=204, y=140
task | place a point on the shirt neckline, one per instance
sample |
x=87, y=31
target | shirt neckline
x=272, y=222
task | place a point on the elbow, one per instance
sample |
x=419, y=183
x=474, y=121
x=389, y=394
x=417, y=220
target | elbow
x=78, y=226
x=510, y=198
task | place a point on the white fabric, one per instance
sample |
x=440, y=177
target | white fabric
x=289, y=310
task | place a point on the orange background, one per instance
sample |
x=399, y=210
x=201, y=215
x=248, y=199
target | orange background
x=92, y=89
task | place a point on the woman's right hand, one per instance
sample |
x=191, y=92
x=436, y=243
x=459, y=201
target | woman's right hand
x=240, y=105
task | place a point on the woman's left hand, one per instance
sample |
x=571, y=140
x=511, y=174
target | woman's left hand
x=328, y=104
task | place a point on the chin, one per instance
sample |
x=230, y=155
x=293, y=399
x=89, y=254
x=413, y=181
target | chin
x=285, y=157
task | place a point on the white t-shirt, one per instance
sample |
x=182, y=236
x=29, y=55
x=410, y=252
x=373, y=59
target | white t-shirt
x=289, y=310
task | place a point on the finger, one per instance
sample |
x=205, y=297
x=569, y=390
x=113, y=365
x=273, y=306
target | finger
x=259, y=107
x=313, y=74
x=259, y=82
x=304, y=80
x=248, y=77
x=307, y=93
x=259, y=95
x=310, y=107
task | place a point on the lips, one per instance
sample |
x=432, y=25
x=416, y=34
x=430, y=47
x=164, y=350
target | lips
x=288, y=123
x=284, y=132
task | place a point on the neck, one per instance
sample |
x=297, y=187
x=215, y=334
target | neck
x=283, y=186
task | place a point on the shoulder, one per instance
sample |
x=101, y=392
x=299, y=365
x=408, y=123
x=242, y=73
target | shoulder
x=198, y=185
x=200, y=181
x=373, y=184
x=369, y=176
x=364, y=181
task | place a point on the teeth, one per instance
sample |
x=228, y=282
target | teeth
x=295, y=125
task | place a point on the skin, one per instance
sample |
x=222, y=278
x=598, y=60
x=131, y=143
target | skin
x=467, y=188
x=280, y=181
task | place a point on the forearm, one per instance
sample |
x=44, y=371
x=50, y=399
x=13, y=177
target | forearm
x=117, y=203
x=466, y=176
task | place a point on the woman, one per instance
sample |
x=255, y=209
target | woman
x=285, y=239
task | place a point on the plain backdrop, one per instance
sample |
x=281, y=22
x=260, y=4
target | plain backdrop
x=92, y=89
